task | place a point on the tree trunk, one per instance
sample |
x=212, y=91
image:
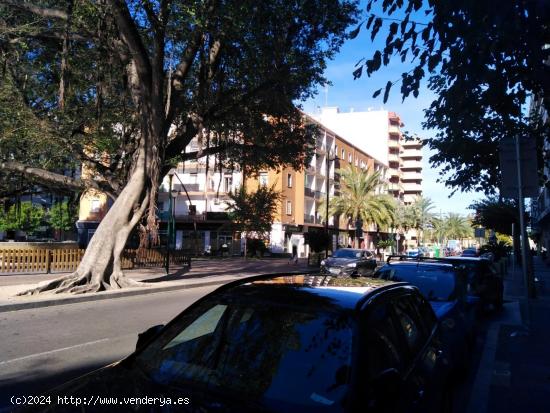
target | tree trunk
x=100, y=268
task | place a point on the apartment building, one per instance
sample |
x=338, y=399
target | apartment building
x=197, y=196
x=540, y=206
x=379, y=133
x=305, y=193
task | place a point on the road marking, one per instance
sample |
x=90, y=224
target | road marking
x=89, y=343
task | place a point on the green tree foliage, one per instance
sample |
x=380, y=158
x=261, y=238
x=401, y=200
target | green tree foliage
x=496, y=214
x=92, y=72
x=61, y=217
x=451, y=226
x=358, y=199
x=482, y=60
x=23, y=217
x=458, y=226
x=254, y=212
x=127, y=85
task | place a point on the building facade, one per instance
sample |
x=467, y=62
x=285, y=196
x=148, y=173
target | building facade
x=195, y=194
x=540, y=206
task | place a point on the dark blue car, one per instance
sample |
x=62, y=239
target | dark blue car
x=293, y=343
x=445, y=287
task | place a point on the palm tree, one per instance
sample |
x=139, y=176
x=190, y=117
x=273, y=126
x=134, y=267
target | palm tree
x=403, y=220
x=458, y=226
x=439, y=230
x=358, y=199
x=421, y=210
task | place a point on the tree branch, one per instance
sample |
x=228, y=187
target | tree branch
x=131, y=37
x=40, y=11
x=179, y=75
x=48, y=177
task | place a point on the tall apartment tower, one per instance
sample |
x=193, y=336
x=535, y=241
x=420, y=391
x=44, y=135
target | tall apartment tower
x=411, y=170
x=378, y=133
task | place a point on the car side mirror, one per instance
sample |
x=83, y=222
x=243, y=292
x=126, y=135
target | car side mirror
x=147, y=335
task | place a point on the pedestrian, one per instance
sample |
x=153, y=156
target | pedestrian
x=294, y=257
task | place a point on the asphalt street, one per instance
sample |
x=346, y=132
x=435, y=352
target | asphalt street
x=42, y=348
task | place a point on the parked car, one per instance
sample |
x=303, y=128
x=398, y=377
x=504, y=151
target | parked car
x=445, y=288
x=469, y=252
x=289, y=343
x=349, y=261
x=484, y=281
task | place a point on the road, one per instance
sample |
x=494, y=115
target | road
x=42, y=348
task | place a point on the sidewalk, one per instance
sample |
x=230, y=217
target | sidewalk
x=204, y=272
x=521, y=370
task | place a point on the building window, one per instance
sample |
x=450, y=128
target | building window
x=343, y=154
x=227, y=183
x=263, y=178
x=289, y=180
x=289, y=207
x=356, y=162
x=350, y=158
x=95, y=206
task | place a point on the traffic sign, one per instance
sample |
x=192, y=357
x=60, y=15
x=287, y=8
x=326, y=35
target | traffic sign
x=509, y=167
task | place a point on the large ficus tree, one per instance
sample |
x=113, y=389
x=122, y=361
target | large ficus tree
x=126, y=86
x=482, y=59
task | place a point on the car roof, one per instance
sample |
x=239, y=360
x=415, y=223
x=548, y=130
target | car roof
x=333, y=291
x=458, y=258
x=421, y=263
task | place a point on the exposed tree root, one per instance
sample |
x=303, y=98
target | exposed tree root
x=76, y=283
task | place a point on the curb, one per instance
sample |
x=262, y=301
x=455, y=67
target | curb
x=130, y=293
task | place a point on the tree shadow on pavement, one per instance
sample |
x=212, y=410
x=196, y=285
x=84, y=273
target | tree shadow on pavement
x=175, y=276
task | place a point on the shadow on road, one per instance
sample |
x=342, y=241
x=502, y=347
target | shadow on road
x=39, y=379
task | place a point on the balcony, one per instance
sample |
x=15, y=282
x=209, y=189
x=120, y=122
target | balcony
x=410, y=144
x=392, y=157
x=309, y=219
x=394, y=144
x=394, y=129
x=309, y=192
x=320, y=195
x=411, y=153
x=411, y=165
x=411, y=176
x=189, y=187
x=393, y=172
x=412, y=187
x=164, y=216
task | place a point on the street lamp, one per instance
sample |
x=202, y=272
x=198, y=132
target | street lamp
x=170, y=222
x=329, y=159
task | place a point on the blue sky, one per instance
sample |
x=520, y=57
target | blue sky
x=347, y=93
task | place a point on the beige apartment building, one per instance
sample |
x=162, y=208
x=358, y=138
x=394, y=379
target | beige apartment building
x=305, y=193
x=197, y=198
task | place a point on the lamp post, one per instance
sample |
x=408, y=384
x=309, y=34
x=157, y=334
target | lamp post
x=170, y=221
x=329, y=159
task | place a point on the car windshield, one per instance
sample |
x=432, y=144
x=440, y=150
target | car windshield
x=435, y=283
x=347, y=253
x=279, y=357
